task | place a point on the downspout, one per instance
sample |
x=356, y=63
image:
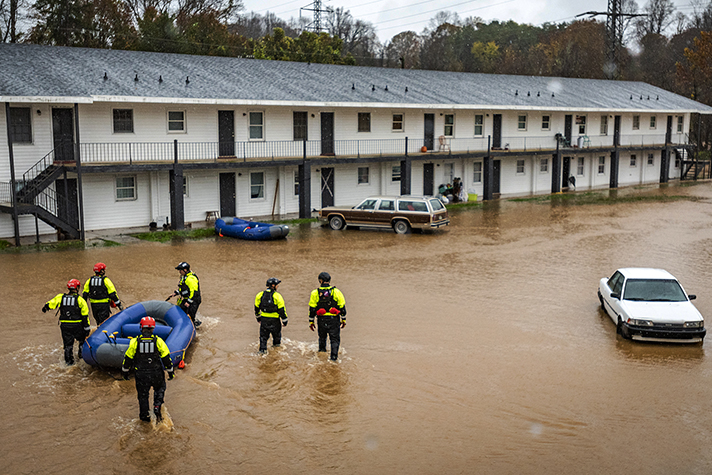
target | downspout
x=13, y=191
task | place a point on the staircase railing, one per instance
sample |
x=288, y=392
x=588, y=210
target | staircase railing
x=36, y=169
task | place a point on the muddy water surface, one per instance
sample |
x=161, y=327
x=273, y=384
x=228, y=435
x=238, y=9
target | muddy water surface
x=480, y=349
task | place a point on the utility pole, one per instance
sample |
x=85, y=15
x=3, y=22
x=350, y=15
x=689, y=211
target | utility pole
x=315, y=25
x=614, y=35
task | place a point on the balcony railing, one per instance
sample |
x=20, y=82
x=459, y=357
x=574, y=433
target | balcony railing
x=148, y=152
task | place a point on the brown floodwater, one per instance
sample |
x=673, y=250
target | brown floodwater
x=479, y=349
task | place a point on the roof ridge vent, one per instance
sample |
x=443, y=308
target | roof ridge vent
x=106, y=77
x=160, y=79
x=187, y=80
x=136, y=78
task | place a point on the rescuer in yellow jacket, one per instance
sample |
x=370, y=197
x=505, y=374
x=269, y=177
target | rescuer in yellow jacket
x=327, y=303
x=188, y=292
x=147, y=355
x=73, y=319
x=101, y=294
x=269, y=309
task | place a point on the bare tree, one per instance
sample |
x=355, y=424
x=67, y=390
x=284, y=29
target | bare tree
x=660, y=15
x=12, y=14
x=359, y=37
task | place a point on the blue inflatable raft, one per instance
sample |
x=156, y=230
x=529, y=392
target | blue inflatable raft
x=251, y=230
x=172, y=325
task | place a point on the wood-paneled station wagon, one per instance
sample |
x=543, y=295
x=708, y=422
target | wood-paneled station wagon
x=401, y=213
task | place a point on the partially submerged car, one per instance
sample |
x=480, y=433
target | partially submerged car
x=651, y=305
x=401, y=213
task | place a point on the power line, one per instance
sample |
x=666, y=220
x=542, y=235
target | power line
x=438, y=10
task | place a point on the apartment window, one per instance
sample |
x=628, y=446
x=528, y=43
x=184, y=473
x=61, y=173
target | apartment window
x=546, y=122
x=653, y=122
x=522, y=122
x=479, y=125
x=364, y=121
x=604, y=125
x=363, y=175
x=680, y=123
x=636, y=122
x=449, y=125
x=257, y=125
x=651, y=159
x=397, y=123
x=125, y=188
x=299, y=120
x=477, y=175
x=185, y=186
x=601, y=165
x=579, y=166
x=176, y=121
x=581, y=124
x=257, y=185
x=123, y=121
x=396, y=173
x=21, y=124
x=520, y=167
x=632, y=161
x=296, y=182
x=544, y=165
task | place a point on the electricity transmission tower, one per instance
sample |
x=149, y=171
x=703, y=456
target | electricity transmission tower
x=614, y=35
x=315, y=25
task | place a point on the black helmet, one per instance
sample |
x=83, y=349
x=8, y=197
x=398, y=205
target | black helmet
x=183, y=266
x=273, y=281
x=325, y=277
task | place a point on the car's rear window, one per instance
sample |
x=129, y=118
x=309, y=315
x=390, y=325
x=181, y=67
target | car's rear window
x=436, y=205
x=654, y=290
x=412, y=206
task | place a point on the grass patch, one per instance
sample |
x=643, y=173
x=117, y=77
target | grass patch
x=4, y=244
x=45, y=247
x=603, y=198
x=294, y=221
x=166, y=236
x=465, y=204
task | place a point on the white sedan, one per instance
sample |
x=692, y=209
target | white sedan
x=651, y=305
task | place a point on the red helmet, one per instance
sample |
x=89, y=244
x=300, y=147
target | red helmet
x=148, y=322
x=74, y=284
x=99, y=266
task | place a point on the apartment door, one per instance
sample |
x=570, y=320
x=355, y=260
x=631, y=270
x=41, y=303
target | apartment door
x=428, y=179
x=668, y=130
x=617, y=131
x=565, y=171
x=429, y=131
x=327, y=186
x=227, y=195
x=67, y=202
x=327, y=133
x=63, y=134
x=568, y=119
x=496, y=175
x=497, y=131
x=226, y=133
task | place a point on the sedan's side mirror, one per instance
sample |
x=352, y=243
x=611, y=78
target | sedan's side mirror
x=692, y=296
x=616, y=295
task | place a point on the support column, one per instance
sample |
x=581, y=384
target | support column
x=78, y=161
x=615, y=166
x=487, y=173
x=176, y=190
x=406, y=172
x=13, y=188
x=556, y=170
x=305, y=190
x=665, y=165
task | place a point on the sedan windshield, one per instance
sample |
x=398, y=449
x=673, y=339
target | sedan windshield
x=654, y=290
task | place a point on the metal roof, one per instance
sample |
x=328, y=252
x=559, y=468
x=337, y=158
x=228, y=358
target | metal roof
x=35, y=73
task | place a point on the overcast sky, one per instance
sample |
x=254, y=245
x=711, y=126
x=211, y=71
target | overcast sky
x=390, y=17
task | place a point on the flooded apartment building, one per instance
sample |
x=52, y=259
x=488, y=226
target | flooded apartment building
x=96, y=139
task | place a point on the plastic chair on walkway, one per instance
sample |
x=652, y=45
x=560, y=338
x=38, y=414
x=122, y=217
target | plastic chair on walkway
x=443, y=143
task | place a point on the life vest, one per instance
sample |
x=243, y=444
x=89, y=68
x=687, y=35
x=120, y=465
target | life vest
x=97, y=289
x=326, y=298
x=183, y=287
x=267, y=304
x=69, y=308
x=147, y=356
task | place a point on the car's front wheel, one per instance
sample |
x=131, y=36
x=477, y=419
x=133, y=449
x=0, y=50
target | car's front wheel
x=600, y=299
x=401, y=227
x=336, y=223
x=621, y=330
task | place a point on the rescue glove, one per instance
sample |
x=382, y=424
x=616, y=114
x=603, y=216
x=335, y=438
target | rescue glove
x=125, y=375
x=87, y=331
x=45, y=308
x=343, y=323
x=171, y=374
x=311, y=326
x=284, y=323
x=121, y=307
x=259, y=319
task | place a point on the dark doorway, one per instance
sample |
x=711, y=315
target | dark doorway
x=496, y=131
x=617, y=131
x=226, y=133
x=327, y=187
x=668, y=130
x=429, y=131
x=67, y=202
x=567, y=128
x=227, y=195
x=428, y=179
x=565, y=170
x=63, y=133
x=327, y=133
x=496, y=174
